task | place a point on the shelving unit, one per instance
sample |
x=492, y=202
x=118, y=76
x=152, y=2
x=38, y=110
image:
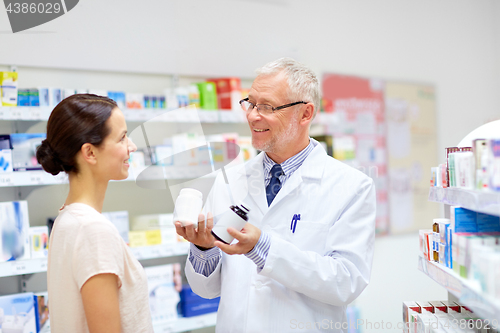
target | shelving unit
x=479, y=201
x=187, y=324
x=30, y=266
x=468, y=292
x=177, y=326
x=26, y=113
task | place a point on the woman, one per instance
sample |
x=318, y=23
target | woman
x=94, y=283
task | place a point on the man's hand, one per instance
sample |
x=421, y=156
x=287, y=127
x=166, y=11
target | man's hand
x=247, y=238
x=200, y=236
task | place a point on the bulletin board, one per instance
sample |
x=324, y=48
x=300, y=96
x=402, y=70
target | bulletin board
x=412, y=151
x=358, y=106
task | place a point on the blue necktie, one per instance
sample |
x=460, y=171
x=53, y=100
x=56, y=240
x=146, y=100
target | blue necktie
x=274, y=185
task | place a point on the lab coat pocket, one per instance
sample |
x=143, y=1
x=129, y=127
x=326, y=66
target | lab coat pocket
x=309, y=236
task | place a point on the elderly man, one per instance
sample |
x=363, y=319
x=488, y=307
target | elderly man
x=307, y=248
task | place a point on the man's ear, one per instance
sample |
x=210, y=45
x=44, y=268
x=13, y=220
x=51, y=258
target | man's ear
x=307, y=113
x=88, y=151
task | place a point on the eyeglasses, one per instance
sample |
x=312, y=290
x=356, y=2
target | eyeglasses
x=264, y=109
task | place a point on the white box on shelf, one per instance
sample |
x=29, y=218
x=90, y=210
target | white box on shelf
x=6, y=161
x=14, y=229
x=163, y=297
x=39, y=242
x=121, y=222
x=18, y=313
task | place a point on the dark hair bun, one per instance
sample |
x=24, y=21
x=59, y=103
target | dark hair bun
x=48, y=159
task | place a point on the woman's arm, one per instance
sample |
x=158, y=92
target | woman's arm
x=100, y=301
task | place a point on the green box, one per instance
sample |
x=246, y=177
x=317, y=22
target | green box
x=208, y=95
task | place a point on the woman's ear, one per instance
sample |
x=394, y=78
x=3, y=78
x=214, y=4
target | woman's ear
x=88, y=151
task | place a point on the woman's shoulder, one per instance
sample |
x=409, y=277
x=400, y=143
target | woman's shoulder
x=88, y=218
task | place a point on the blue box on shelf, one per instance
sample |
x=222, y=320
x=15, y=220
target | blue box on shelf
x=194, y=305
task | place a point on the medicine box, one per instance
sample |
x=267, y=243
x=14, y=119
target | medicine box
x=228, y=92
x=163, y=298
x=18, y=313
x=39, y=242
x=208, y=95
x=24, y=147
x=194, y=305
x=14, y=231
x=120, y=221
x=8, y=88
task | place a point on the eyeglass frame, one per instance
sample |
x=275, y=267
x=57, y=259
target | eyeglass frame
x=274, y=109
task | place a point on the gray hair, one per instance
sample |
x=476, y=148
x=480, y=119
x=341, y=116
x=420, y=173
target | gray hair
x=302, y=82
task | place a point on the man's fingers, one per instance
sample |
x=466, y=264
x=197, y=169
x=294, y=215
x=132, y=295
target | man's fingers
x=210, y=221
x=190, y=232
x=180, y=229
x=225, y=247
x=236, y=234
x=201, y=223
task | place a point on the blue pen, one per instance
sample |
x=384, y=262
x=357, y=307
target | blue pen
x=297, y=218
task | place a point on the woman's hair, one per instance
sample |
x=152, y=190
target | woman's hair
x=302, y=82
x=77, y=120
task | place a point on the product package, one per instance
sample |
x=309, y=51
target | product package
x=14, y=229
x=463, y=220
x=163, y=297
x=208, y=95
x=55, y=96
x=18, y=313
x=6, y=160
x=144, y=238
x=121, y=222
x=8, y=88
x=464, y=169
x=194, y=95
x=41, y=310
x=228, y=92
x=494, y=164
x=34, y=97
x=44, y=96
x=39, y=241
x=24, y=150
x=23, y=97
x=119, y=98
x=194, y=305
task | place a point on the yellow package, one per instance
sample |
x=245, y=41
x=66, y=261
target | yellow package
x=8, y=88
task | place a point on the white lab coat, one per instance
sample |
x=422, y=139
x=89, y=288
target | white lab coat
x=309, y=276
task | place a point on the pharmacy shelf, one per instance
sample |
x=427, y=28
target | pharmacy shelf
x=26, y=113
x=467, y=292
x=160, y=251
x=31, y=178
x=479, y=201
x=20, y=267
x=187, y=324
x=42, y=178
x=31, y=266
x=180, y=325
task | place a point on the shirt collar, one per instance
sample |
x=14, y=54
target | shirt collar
x=290, y=165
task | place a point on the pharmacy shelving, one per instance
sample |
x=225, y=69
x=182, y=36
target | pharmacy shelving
x=468, y=292
x=25, y=113
x=42, y=178
x=39, y=265
x=181, y=324
x=479, y=201
x=139, y=115
x=187, y=324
